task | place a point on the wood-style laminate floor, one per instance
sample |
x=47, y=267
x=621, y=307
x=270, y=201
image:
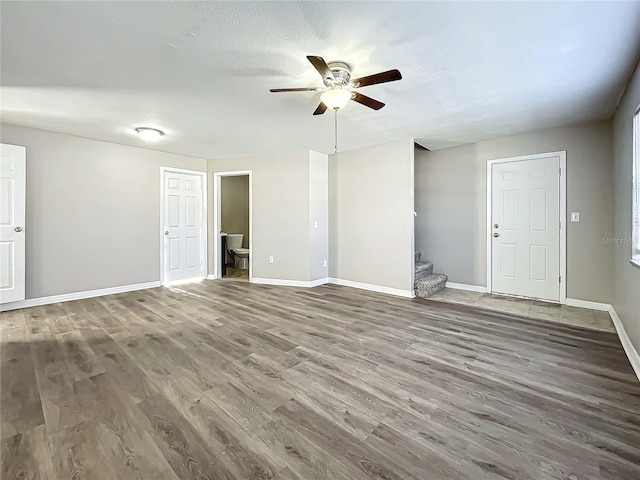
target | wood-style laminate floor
x=237, y=274
x=231, y=380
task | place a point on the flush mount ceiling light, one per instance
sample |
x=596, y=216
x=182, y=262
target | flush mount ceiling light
x=149, y=134
x=336, y=98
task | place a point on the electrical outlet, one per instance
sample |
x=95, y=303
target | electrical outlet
x=575, y=217
x=315, y=224
x=324, y=264
x=270, y=258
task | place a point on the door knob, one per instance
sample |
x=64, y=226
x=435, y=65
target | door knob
x=495, y=225
x=166, y=232
x=18, y=229
x=496, y=234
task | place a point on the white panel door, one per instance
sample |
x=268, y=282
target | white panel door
x=525, y=228
x=183, y=227
x=12, y=217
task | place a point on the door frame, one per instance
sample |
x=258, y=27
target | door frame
x=19, y=264
x=217, y=214
x=563, y=214
x=204, y=220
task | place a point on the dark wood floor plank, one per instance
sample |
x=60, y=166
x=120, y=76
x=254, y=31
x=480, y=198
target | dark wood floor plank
x=112, y=440
x=82, y=361
x=26, y=455
x=124, y=372
x=180, y=443
x=19, y=393
x=302, y=457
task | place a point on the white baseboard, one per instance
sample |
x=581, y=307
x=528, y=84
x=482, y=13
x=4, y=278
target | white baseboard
x=629, y=349
x=573, y=302
x=290, y=283
x=66, y=297
x=211, y=276
x=373, y=288
x=464, y=286
x=183, y=282
x=337, y=281
x=320, y=281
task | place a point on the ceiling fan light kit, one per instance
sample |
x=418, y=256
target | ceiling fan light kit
x=336, y=98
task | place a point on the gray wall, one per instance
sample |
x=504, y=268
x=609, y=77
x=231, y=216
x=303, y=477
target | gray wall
x=626, y=277
x=280, y=212
x=371, y=211
x=318, y=215
x=93, y=211
x=451, y=205
x=234, y=206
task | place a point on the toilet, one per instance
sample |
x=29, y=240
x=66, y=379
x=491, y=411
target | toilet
x=241, y=258
x=234, y=250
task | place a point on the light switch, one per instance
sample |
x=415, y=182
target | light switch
x=315, y=224
x=270, y=258
x=575, y=217
x=324, y=264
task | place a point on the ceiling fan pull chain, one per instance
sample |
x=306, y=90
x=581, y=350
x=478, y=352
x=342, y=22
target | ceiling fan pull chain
x=336, y=124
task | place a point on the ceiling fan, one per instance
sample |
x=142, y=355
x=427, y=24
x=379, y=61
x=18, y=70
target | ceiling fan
x=339, y=87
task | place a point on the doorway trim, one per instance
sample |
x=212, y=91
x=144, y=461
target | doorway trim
x=563, y=214
x=204, y=220
x=217, y=214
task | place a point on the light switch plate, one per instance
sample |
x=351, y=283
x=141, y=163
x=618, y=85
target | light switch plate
x=575, y=217
x=270, y=258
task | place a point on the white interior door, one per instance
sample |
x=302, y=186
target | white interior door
x=12, y=217
x=525, y=228
x=183, y=227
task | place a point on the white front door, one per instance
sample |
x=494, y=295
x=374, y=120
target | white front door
x=12, y=217
x=525, y=228
x=183, y=227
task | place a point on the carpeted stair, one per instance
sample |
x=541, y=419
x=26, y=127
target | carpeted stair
x=426, y=282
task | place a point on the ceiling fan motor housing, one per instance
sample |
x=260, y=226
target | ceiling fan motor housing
x=341, y=73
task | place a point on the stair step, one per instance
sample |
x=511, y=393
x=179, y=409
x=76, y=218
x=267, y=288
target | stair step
x=423, y=268
x=430, y=284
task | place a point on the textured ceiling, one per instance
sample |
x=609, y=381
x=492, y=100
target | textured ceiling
x=202, y=71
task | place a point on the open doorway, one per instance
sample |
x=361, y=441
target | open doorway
x=233, y=225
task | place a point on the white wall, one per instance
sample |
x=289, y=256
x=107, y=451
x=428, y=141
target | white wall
x=318, y=215
x=371, y=210
x=93, y=211
x=451, y=205
x=280, y=212
x=234, y=206
x=626, y=277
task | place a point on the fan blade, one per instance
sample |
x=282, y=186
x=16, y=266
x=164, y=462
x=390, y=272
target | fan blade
x=383, y=77
x=367, y=101
x=293, y=89
x=321, y=109
x=321, y=66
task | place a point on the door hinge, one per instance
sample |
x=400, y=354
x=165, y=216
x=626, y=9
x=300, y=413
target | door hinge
x=559, y=278
x=560, y=171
